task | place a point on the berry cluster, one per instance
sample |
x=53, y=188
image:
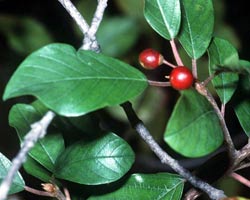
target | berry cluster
x=180, y=78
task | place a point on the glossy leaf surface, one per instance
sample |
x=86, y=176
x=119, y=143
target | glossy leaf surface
x=74, y=83
x=222, y=53
x=47, y=149
x=33, y=168
x=164, y=16
x=100, y=161
x=196, y=26
x=18, y=182
x=193, y=129
x=147, y=187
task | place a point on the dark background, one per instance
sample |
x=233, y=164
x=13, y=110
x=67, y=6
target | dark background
x=232, y=14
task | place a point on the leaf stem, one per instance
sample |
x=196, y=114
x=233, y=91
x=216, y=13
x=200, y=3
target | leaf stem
x=38, y=131
x=241, y=179
x=176, y=53
x=158, y=83
x=138, y=125
x=194, y=68
x=168, y=63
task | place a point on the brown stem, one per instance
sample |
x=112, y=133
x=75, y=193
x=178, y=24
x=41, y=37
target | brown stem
x=243, y=154
x=231, y=149
x=240, y=179
x=168, y=63
x=158, y=83
x=37, y=192
x=192, y=194
x=176, y=53
x=194, y=68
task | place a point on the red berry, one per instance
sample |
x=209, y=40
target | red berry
x=150, y=59
x=181, y=78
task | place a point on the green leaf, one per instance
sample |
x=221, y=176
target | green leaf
x=196, y=26
x=99, y=161
x=131, y=7
x=242, y=110
x=244, y=78
x=147, y=187
x=74, y=83
x=18, y=182
x=118, y=42
x=164, y=16
x=193, y=129
x=22, y=33
x=33, y=168
x=47, y=149
x=222, y=53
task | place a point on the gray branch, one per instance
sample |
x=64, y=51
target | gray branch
x=38, y=131
x=136, y=123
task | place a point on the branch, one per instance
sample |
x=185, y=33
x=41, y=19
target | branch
x=200, y=87
x=102, y=4
x=89, y=42
x=137, y=124
x=76, y=15
x=38, y=131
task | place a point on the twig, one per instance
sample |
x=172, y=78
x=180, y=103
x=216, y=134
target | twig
x=102, y=4
x=176, y=53
x=168, y=63
x=66, y=192
x=38, y=131
x=90, y=41
x=194, y=68
x=158, y=83
x=76, y=15
x=192, y=194
x=137, y=124
x=241, y=179
x=231, y=149
x=37, y=192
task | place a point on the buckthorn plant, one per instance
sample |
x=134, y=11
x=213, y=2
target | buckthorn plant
x=93, y=124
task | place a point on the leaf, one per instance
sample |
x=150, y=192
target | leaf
x=196, y=26
x=100, y=161
x=47, y=149
x=147, y=187
x=244, y=78
x=21, y=33
x=222, y=53
x=164, y=16
x=18, y=182
x=118, y=42
x=193, y=129
x=242, y=110
x=74, y=83
x=33, y=168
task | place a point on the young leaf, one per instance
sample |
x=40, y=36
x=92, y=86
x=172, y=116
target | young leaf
x=164, y=16
x=74, y=83
x=47, y=149
x=18, y=182
x=197, y=26
x=100, y=161
x=222, y=53
x=242, y=110
x=193, y=129
x=147, y=187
